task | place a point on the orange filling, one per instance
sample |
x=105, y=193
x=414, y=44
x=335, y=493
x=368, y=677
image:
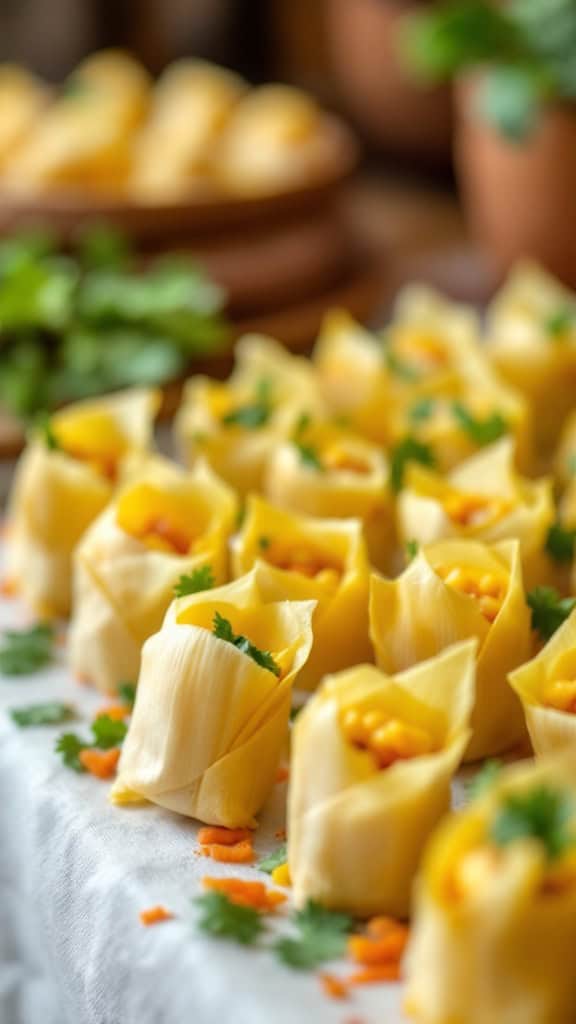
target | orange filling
x=387, y=739
x=474, y=509
x=162, y=535
x=488, y=589
x=93, y=438
x=160, y=521
x=301, y=558
x=343, y=460
x=420, y=348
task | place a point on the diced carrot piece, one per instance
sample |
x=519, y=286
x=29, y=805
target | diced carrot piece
x=282, y=775
x=372, y=975
x=333, y=986
x=280, y=834
x=117, y=712
x=8, y=588
x=101, y=763
x=222, y=836
x=370, y=952
x=246, y=893
x=379, y=926
x=155, y=915
x=240, y=853
x=83, y=679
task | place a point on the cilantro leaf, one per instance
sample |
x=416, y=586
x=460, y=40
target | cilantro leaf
x=250, y=416
x=48, y=436
x=482, y=431
x=560, y=322
x=69, y=745
x=108, y=732
x=560, y=543
x=549, y=610
x=223, y=630
x=422, y=410
x=321, y=936
x=484, y=778
x=274, y=859
x=408, y=450
x=308, y=455
x=264, y=543
x=542, y=813
x=127, y=693
x=399, y=368
x=412, y=547
x=28, y=650
x=224, y=919
x=302, y=423
x=41, y=714
x=196, y=581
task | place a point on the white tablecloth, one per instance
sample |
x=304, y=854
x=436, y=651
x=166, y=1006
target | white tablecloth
x=74, y=874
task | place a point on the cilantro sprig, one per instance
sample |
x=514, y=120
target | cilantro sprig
x=559, y=323
x=196, y=581
x=406, y=451
x=482, y=430
x=107, y=733
x=51, y=713
x=224, y=919
x=422, y=409
x=412, y=547
x=222, y=628
x=251, y=416
x=542, y=813
x=321, y=936
x=25, y=651
x=484, y=778
x=127, y=693
x=560, y=543
x=274, y=859
x=309, y=455
x=549, y=610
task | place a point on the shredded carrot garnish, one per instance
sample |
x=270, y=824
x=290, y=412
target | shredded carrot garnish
x=155, y=915
x=117, y=712
x=333, y=986
x=378, y=927
x=101, y=763
x=222, y=836
x=282, y=775
x=372, y=975
x=376, y=952
x=247, y=894
x=240, y=853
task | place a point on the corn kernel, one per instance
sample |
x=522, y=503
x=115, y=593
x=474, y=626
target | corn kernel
x=489, y=606
x=490, y=585
x=353, y=726
x=372, y=720
x=398, y=740
x=561, y=694
x=281, y=875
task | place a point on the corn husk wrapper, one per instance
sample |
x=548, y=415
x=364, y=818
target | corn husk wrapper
x=240, y=453
x=356, y=833
x=550, y=729
x=209, y=724
x=341, y=617
x=417, y=615
x=540, y=364
x=122, y=588
x=55, y=497
x=502, y=952
x=192, y=103
x=23, y=99
x=527, y=507
x=352, y=482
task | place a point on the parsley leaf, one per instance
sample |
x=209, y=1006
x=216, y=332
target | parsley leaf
x=250, y=416
x=223, y=630
x=28, y=650
x=69, y=745
x=199, y=579
x=560, y=543
x=41, y=714
x=274, y=859
x=227, y=920
x=408, y=450
x=309, y=455
x=108, y=732
x=484, y=778
x=542, y=813
x=559, y=323
x=127, y=693
x=549, y=610
x=422, y=410
x=321, y=937
x=482, y=431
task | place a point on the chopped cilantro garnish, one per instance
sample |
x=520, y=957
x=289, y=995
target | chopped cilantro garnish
x=251, y=416
x=541, y=813
x=560, y=543
x=408, y=450
x=222, y=628
x=224, y=919
x=411, y=549
x=70, y=746
x=106, y=732
x=302, y=423
x=52, y=713
x=196, y=581
x=309, y=456
x=273, y=860
x=321, y=936
x=422, y=410
x=482, y=431
x=399, y=368
x=549, y=610
x=28, y=650
x=127, y=693
x=484, y=778
x=264, y=543
x=559, y=323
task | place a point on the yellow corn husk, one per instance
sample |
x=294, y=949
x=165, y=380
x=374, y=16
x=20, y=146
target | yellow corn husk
x=353, y=376
x=432, y=336
x=192, y=103
x=352, y=481
x=417, y=615
x=209, y=724
x=277, y=137
x=301, y=558
x=551, y=727
x=356, y=833
x=484, y=499
x=565, y=455
x=125, y=570
x=238, y=452
x=499, y=947
x=23, y=99
x=58, y=493
x=539, y=363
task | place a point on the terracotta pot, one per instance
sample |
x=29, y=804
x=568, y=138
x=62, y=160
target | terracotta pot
x=520, y=197
x=392, y=109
